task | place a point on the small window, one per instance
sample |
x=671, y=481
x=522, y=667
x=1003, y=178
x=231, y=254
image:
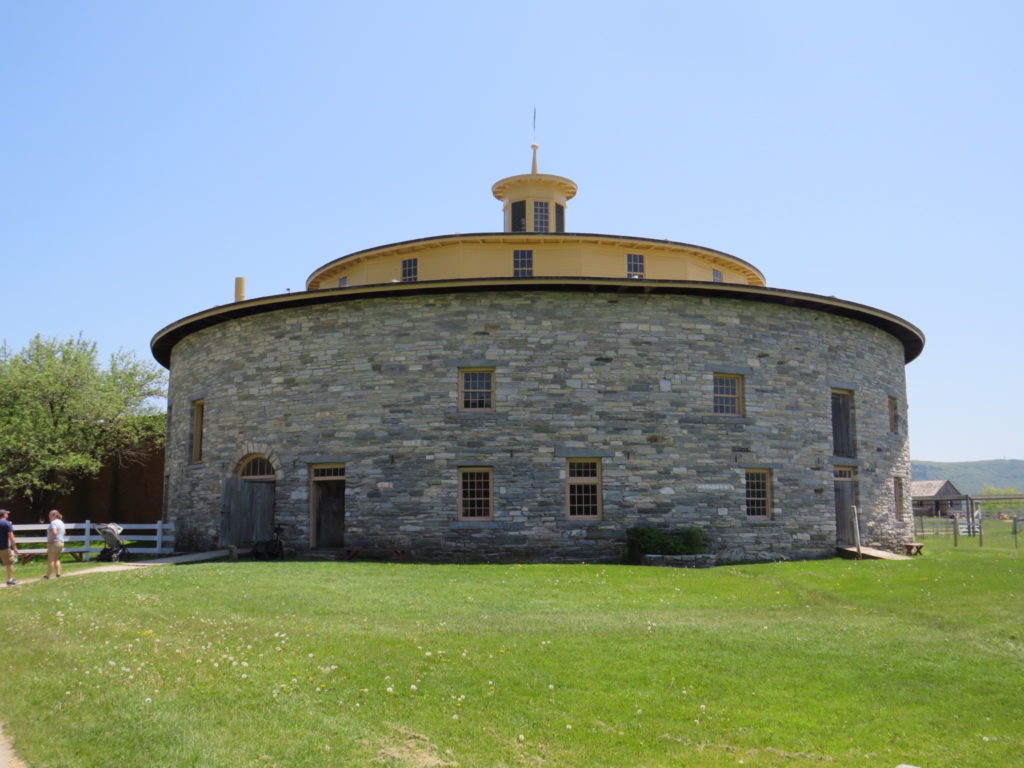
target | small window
x=476, y=389
x=517, y=214
x=522, y=263
x=897, y=492
x=559, y=218
x=541, y=216
x=256, y=467
x=329, y=472
x=759, y=493
x=410, y=270
x=198, y=417
x=475, y=493
x=894, y=415
x=583, y=492
x=717, y=276
x=342, y=282
x=728, y=394
x=635, y=265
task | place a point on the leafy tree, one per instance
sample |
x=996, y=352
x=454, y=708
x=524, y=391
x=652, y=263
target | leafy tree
x=62, y=415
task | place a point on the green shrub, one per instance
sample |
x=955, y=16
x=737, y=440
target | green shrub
x=644, y=540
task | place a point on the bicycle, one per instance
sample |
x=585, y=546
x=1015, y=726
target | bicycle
x=271, y=549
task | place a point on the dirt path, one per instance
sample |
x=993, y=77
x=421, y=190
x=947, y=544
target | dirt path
x=7, y=757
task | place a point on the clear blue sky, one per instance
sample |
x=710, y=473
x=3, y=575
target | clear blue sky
x=154, y=150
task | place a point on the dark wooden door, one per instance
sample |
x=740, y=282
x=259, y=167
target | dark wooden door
x=247, y=511
x=330, y=513
x=846, y=497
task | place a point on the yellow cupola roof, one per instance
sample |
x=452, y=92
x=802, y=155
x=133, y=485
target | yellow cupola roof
x=534, y=202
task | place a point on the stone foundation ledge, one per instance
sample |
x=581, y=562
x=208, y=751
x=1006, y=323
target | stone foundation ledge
x=681, y=561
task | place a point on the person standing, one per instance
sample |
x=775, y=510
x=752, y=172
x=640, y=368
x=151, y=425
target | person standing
x=8, y=546
x=54, y=543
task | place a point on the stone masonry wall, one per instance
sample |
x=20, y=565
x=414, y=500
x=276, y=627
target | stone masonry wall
x=626, y=378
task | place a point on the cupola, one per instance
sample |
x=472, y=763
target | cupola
x=534, y=202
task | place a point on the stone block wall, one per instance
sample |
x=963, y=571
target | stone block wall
x=626, y=378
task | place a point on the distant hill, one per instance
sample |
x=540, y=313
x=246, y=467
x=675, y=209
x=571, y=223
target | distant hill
x=971, y=476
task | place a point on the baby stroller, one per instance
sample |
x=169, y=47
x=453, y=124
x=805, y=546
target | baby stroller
x=115, y=551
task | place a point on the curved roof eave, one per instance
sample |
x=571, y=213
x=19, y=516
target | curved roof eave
x=424, y=242
x=911, y=337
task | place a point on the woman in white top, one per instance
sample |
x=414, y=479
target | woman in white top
x=54, y=543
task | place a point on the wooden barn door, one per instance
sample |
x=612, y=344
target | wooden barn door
x=247, y=511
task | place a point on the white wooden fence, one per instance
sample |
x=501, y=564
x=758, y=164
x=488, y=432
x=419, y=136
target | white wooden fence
x=82, y=540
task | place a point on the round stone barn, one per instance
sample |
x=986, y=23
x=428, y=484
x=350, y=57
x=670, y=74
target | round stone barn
x=530, y=395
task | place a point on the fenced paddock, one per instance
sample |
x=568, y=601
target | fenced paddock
x=83, y=542
x=983, y=530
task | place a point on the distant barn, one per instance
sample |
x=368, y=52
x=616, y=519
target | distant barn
x=936, y=498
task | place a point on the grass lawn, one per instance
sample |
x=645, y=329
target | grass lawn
x=825, y=663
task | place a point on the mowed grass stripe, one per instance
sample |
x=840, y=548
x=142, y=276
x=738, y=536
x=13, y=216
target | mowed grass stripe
x=322, y=664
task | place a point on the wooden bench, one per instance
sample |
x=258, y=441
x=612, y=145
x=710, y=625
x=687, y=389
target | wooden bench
x=913, y=547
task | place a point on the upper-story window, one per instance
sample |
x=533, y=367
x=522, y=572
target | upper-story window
x=843, y=441
x=717, y=276
x=522, y=263
x=476, y=389
x=728, y=394
x=410, y=270
x=894, y=415
x=541, y=216
x=517, y=214
x=342, y=282
x=635, y=265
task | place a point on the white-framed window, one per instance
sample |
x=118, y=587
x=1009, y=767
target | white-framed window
x=583, y=493
x=635, y=265
x=410, y=270
x=541, y=216
x=476, y=493
x=717, y=276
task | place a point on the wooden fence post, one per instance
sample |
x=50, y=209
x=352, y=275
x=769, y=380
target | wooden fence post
x=856, y=529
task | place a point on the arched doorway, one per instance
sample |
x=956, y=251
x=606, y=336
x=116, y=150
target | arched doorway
x=247, y=502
